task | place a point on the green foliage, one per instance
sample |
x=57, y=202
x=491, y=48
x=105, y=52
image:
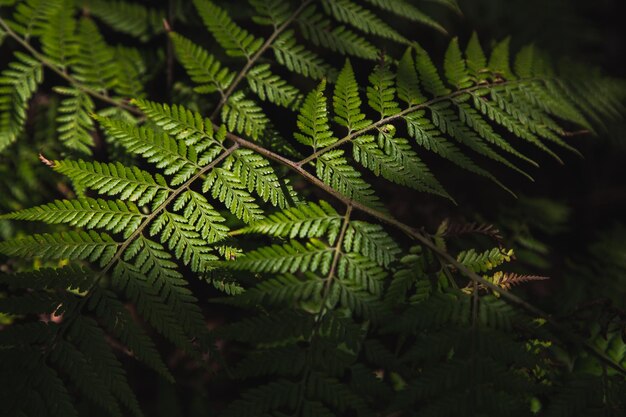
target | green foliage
x=331, y=311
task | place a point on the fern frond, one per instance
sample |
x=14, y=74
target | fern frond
x=299, y=59
x=304, y=220
x=429, y=75
x=257, y=174
x=351, y=13
x=234, y=39
x=408, y=11
x=482, y=262
x=228, y=188
x=131, y=72
x=507, y=280
x=114, y=179
x=32, y=16
x=333, y=168
x=455, y=67
x=407, y=82
x=173, y=156
x=371, y=241
x=381, y=92
x=243, y=115
x=475, y=58
x=71, y=245
x=18, y=82
x=200, y=214
x=321, y=32
x=499, y=61
x=94, y=64
x=75, y=124
x=181, y=123
x=291, y=257
x=131, y=18
x=313, y=120
x=203, y=68
x=271, y=87
x=272, y=12
x=89, y=213
x=58, y=39
x=183, y=239
x=346, y=101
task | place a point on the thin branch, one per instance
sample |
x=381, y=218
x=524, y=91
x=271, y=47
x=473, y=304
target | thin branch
x=252, y=60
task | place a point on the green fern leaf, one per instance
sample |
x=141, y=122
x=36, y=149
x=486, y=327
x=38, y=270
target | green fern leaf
x=74, y=122
x=486, y=261
x=71, y=245
x=235, y=40
x=200, y=214
x=348, y=12
x=173, y=156
x=333, y=168
x=271, y=87
x=243, y=115
x=272, y=12
x=455, y=67
x=407, y=82
x=32, y=16
x=131, y=72
x=131, y=18
x=17, y=84
x=291, y=257
x=203, y=68
x=258, y=175
x=313, y=120
x=303, y=220
x=499, y=62
x=94, y=65
x=58, y=38
x=228, y=188
x=381, y=92
x=370, y=240
x=429, y=76
x=321, y=32
x=476, y=59
x=346, y=101
x=89, y=213
x=299, y=59
x=130, y=184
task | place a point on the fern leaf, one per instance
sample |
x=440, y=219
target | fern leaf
x=32, y=16
x=408, y=11
x=181, y=123
x=235, y=40
x=381, y=92
x=131, y=72
x=370, y=240
x=200, y=214
x=299, y=59
x=303, y=220
x=428, y=74
x=71, y=245
x=58, y=38
x=130, y=184
x=257, y=174
x=407, y=82
x=321, y=32
x=203, y=68
x=499, y=61
x=455, y=67
x=17, y=84
x=183, y=239
x=228, y=188
x=272, y=12
x=131, y=18
x=74, y=123
x=173, y=156
x=291, y=257
x=94, y=65
x=271, y=87
x=243, y=115
x=348, y=12
x=333, y=168
x=346, y=101
x=313, y=120
x=482, y=262
x=89, y=213
x=475, y=58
